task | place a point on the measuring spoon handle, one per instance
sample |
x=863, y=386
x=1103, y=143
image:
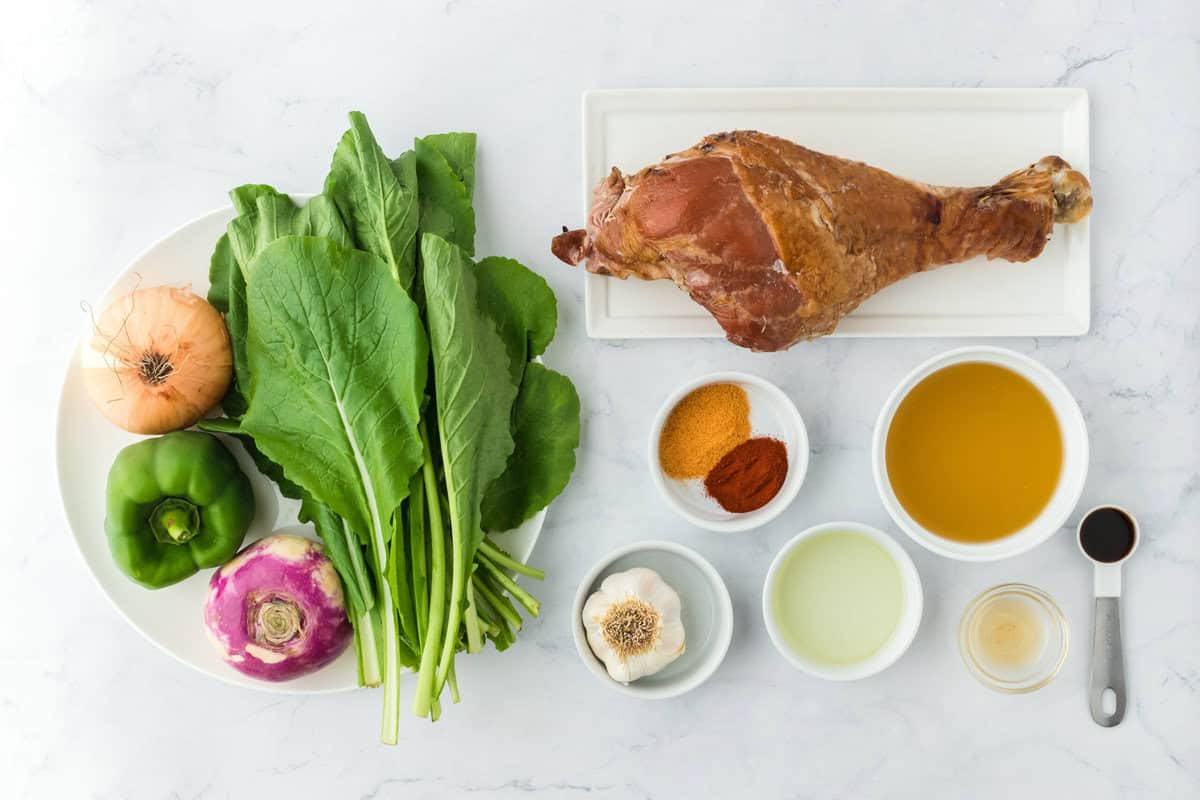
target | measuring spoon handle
x=1108, y=664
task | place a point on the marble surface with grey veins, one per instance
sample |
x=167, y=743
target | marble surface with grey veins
x=119, y=120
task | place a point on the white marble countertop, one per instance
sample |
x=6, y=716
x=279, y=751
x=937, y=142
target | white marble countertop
x=120, y=120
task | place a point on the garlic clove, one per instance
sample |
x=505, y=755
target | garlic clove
x=634, y=624
x=673, y=639
x=665, y=599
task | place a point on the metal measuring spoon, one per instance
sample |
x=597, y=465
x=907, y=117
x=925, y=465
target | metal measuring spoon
x=1107, y=535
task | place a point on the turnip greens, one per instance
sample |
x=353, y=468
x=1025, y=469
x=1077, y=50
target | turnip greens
x=388, y=382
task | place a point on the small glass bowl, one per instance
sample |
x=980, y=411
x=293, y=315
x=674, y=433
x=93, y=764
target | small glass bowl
x=1042, y=668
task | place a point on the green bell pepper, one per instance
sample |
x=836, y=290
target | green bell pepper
x=176, y=504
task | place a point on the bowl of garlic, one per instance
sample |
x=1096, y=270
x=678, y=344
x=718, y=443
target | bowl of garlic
x=652, y=619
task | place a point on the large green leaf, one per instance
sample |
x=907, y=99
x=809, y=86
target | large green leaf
x=275, y=216
x=320, y=217
x=264, y=216
x=271, y=218
x=521, y=305
x=337, y=356
x=223, y=263
x=446, y=170
x=338, y=360
x=245, y=197
x=379, y=207
x=546, y=433
x=459, y=151
x=474, y=393
x=474, y=396
x=545, y=421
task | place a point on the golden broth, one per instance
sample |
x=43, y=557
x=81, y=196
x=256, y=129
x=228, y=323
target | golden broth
x=974, y=452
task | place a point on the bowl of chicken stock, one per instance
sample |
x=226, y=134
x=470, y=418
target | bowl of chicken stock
x=1072, y=474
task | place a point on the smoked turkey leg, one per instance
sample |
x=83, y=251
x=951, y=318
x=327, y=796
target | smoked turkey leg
x=779, y=242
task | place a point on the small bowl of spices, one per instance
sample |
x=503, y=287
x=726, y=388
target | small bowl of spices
x=728, y=451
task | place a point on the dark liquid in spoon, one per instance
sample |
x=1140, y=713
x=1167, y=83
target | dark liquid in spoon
x=1107, y=535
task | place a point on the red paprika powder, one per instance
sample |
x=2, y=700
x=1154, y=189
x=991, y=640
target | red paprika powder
x=749, y=475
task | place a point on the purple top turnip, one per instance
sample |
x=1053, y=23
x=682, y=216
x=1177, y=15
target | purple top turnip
x=276, y=611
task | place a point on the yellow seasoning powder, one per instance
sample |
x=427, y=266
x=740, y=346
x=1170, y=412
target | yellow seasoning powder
x=703, y=427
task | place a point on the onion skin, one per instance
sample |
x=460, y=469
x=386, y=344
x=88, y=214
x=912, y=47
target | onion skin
x=295, y=572
x=159, y=360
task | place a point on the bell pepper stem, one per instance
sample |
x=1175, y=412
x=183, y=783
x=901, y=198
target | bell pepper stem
x=175, y=520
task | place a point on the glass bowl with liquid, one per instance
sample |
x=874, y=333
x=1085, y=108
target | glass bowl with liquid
x=1013, y=638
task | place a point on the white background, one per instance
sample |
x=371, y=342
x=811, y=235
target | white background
x=120, y=120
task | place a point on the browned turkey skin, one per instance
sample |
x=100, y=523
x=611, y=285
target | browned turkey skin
x=780, y=242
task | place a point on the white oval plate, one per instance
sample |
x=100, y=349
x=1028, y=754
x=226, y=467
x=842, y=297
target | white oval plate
x=981, y=134
x=86, y=445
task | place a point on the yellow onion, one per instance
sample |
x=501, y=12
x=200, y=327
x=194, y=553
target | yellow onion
x=158, y=361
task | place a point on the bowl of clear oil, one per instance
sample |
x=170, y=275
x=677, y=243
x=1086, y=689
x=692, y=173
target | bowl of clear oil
x=842, y=601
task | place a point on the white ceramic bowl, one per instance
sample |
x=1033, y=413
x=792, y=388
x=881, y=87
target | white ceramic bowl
x=902, y=636
x=772, y=413
x=1070, y=481
x=707, y=615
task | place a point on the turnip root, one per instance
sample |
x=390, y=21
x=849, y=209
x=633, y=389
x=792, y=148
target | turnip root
x=276, y=611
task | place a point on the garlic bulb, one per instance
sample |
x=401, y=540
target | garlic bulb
x=633, y=624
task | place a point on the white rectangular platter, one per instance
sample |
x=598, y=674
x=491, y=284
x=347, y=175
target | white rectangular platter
x=963, y=137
